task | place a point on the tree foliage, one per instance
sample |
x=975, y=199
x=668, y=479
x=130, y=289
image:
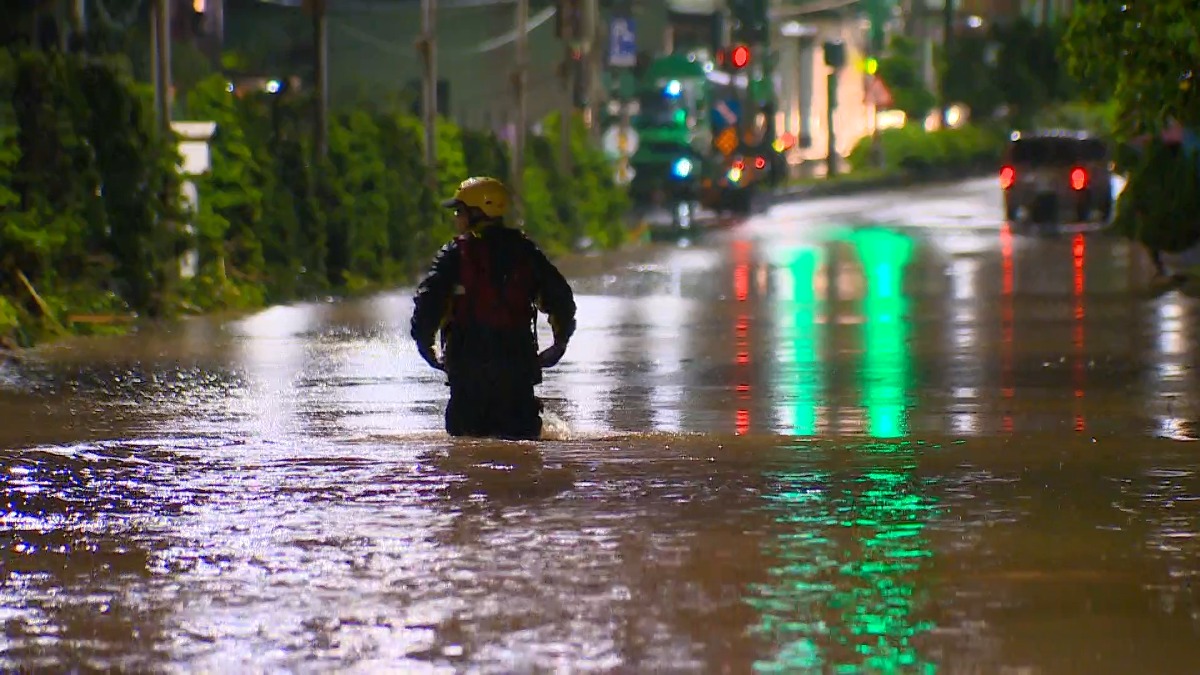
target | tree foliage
x=88, y=211
x=1142, y=54
x=1011, y=70
x=912, y=149
x=1160, y=206
x=87, y=188
x=900, y=68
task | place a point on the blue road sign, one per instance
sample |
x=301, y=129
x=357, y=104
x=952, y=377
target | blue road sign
x=725, y=113
x=622, y=43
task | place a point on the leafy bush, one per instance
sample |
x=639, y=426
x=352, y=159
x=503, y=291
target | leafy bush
x=591, y=205
x=485, y=154
x=9, y=320
x=87, y=189
x=900, y=68
x=913, y=149
x=1160, y=205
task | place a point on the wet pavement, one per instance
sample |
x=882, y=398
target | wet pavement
x=871, y=434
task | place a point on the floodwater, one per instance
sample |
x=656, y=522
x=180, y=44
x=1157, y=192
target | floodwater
x=881, y=434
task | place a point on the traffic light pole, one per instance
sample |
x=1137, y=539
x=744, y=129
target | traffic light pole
x=429, y=96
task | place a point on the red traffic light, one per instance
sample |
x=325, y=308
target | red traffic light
x=760, y=163
x=740, y=56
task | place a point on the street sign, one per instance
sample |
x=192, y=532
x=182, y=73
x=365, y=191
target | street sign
x=727, y=141
x=725, y=113
x=878, y=94
x=619, y=141
x=622, y=43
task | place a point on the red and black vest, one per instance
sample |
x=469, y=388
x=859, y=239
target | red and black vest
x=496, y=285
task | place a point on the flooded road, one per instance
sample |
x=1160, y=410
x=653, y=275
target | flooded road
x=873, y=434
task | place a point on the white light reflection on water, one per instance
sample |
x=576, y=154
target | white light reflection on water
x=666, y=321
x=269, y=349
x=583, y=379
x=1171, y=378
x=966, y=375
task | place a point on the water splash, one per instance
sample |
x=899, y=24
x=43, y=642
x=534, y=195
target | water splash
x=555, y=428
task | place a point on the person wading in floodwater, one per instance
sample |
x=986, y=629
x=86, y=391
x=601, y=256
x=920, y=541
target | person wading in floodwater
x=483, y=292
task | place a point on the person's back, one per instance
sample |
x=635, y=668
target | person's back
x=483, y=292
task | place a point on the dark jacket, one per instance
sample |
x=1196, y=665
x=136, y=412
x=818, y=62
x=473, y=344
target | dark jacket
x=515, y=264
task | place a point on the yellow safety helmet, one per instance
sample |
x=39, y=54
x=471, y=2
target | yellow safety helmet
x=486, y=194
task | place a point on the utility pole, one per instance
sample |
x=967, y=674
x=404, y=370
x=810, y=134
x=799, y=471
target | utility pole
x=568, y=31
x=947, y=40
x=593, y=53
x=520, y=79
x=568, y=110
x=321, y=74
x=161, y=44
x=429, y=93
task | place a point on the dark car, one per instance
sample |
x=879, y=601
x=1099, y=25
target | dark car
x=1057, y=176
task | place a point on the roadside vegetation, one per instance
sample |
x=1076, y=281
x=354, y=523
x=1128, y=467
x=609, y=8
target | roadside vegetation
x=1141, y=57
x=90, y=231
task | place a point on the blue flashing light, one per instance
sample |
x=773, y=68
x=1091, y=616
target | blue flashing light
x=682, y=167
x=673, y=89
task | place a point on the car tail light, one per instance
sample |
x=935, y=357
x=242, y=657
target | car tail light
x=1079, y=178
x=1008, y=177
x=760, y=163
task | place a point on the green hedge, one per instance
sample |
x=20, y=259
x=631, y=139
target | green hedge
x=912, y=149
x=86, y=193
x=88, y=212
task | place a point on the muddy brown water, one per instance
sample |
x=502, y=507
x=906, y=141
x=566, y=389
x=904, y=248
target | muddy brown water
x=811, y=443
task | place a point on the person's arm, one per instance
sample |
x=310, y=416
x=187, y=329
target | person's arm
x=556, y=299
x=431, y=304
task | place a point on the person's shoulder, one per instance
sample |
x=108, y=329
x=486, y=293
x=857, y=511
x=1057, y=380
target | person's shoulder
x=521, y=236
x=448, y=250
x=456, y=242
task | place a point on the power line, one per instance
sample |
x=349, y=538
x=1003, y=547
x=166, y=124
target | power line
x=490, y=45
x=366, y=6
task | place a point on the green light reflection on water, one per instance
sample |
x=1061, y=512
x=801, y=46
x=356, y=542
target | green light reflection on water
x=845, y=593
x=797, y=307
x=885, y=368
